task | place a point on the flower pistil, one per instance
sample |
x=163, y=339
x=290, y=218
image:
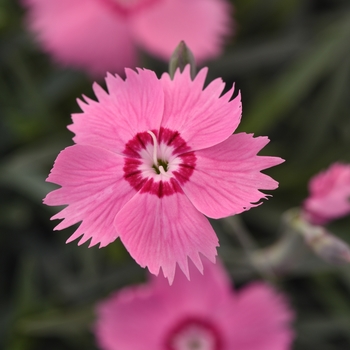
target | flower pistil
x=159, y=165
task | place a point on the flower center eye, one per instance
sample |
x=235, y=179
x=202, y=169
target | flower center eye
x=194, y=334
x=154, y=162
x=159, y=165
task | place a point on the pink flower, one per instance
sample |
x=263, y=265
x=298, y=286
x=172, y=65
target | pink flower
x=329, y=195
x=103, y=35
x=203, y=314
x=151, y=157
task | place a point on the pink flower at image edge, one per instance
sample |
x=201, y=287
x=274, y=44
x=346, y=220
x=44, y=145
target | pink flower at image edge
x=204, y=311
x=329, y=197
x=103, y=35
x=151, y=157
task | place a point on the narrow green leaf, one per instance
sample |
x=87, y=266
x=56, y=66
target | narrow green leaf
x=290, y=88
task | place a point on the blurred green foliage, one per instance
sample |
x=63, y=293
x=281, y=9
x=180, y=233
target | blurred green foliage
x=290, y=59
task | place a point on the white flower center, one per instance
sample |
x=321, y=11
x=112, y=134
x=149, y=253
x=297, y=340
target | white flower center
x=194, y=337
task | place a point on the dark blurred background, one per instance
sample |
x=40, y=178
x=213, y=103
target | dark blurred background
x=291, y=61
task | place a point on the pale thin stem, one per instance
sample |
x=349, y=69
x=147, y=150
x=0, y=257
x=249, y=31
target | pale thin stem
x=249, y=245
x=155, y=147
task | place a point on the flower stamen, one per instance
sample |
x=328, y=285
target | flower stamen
x=162, y=171
x=159, y=165
x=155, y=147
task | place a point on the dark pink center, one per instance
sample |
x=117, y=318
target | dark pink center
x=163, y=176
x=127, y=7
x=194, y=334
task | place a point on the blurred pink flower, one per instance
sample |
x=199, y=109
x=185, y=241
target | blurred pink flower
x=329, y=195
x=151, y=157
x=102, y=35
x=204, y=314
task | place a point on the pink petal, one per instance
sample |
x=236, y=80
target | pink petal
x=214, y=281
x=131, y=319
x=160, y=232
x=202, y=117
x=202, y=24
x=260, y=320
x=82, y=33
x=329, y=195
x=94, y=189
x=227, y=177
x=131, y=106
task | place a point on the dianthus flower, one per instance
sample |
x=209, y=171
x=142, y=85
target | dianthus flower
x=203, y=314
x=103, y=35
x=329, y=195
x=151, y=157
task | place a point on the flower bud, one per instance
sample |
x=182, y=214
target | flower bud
x=181, y=57
x=326, y=245
x=329, y=197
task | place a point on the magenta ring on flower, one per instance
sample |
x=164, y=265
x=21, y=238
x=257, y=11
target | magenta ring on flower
x=161, y=164
x=151, y=157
